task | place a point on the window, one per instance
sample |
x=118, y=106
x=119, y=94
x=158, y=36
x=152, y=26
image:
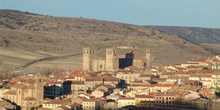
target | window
x=145, y=64
x=85, y=51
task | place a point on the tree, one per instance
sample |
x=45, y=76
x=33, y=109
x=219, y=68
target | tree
x=13, y=75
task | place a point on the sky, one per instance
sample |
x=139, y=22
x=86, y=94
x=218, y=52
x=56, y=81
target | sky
x=192, y=13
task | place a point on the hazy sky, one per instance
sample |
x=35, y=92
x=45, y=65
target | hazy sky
x=199, y=13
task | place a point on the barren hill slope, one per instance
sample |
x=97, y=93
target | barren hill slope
x=208, y=38
x=46, y=36
x=195, y=34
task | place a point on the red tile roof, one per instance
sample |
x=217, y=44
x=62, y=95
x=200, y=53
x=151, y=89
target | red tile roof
x=126, y=98
x=144, y=96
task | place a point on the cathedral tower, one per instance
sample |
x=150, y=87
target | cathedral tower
x=112, y=59
x=89, y=53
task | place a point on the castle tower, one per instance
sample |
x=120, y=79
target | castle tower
x=148, y=57
x=112, y=59
x=89, y=53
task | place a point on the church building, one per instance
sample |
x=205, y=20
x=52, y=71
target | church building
x=112, y=62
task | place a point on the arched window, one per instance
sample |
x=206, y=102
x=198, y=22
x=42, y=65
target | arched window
x=100, y=66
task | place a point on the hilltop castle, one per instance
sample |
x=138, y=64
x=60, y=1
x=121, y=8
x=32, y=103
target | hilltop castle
x=112, y=62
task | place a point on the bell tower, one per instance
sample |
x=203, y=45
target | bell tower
x=39, y=88
x=112, y=59
x=148, y=57
x=89, y=53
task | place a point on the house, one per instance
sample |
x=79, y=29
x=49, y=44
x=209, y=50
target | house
x=125, y=101
x=144, y=100
x=98, y=93
x=159, y=80
x=195, y=77
x=111, y=106
x=91, y=104
x=145, y=77
x=78, y=85
x=113, y=96
x=162, y=87
x=166, y=99
x=109, y=89
x=76, y=106
x=187, y=96
x=55, y=103
x=127, y=75
x=53, y=89
x=207, y=93
x=167, y=74
x=5, y=105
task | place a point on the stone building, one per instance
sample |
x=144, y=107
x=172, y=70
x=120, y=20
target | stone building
x=144, y=101
x=126, y=101
x=89, y=53
x=112, y=62
x=166, y=99
x=27, y=94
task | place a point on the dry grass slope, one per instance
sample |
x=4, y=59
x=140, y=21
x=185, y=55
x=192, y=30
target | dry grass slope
x=46, y=36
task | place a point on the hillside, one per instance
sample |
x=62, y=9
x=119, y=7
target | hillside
x=53, y=42
x=208, y=38
x=195, y=34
